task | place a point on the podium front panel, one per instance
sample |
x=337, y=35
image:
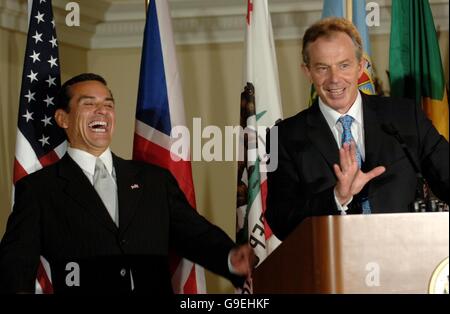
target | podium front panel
x=379, y=253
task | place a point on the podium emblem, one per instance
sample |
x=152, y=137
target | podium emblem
x=439, y=279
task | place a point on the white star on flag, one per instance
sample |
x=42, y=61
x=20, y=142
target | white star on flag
x=35, y=56
x=49, y=101
x=32, y=76
x=51, y=81
x=53, y=41
x=30, y=96
x=37, y=37
x=44, y=140
x=39, y=17
x=28, y=116
x=46, y=121
x=52, y=61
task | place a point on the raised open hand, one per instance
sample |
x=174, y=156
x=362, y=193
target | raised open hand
x=351, y=180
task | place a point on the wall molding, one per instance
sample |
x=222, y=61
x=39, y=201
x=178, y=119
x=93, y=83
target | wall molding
x=120, y=24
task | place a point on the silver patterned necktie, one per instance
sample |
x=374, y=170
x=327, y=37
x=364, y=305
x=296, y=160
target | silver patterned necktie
x=106, y=188
x=347, y=137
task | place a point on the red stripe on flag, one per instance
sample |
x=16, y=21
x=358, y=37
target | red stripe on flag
x=46, y=160
x=267, y=230
x=19, y=171
x=43, y=280
x=49, y=159
x=147, y=151
x=190, y=287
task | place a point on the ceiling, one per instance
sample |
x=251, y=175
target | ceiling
x=120, y=23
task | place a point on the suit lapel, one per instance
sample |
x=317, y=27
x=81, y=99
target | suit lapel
x=380, y=147
x=373, y=135
x=80, y=189
x=320, y=135
x=129, y=188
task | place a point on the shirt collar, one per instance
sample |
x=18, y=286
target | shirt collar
x=332, y=116
x=86, y=161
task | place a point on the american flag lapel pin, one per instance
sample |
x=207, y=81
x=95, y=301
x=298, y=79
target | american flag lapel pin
x=135, y=186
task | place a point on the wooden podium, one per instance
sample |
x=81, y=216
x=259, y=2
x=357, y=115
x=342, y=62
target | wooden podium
x=379, y=253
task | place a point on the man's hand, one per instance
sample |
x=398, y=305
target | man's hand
x=351, y=179
x=243, y=260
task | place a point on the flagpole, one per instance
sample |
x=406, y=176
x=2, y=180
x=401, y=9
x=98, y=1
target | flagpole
x=147, y=2
x=349, y=10
x=30, y=5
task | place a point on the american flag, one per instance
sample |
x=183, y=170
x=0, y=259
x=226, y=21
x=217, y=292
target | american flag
x=160, y=108
x=40, y=142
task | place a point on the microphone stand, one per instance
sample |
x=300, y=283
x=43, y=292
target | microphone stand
x=425, y=201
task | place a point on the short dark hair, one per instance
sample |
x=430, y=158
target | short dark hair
x=325, y=28
x=63, y=97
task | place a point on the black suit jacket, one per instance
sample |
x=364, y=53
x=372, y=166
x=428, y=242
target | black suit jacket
x=304, y=181
x=59, y=215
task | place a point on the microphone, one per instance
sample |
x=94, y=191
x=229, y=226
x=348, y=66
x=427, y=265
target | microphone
x=392, y=130
x=422, y=201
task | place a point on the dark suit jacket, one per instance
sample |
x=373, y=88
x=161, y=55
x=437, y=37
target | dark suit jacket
x=304, y=181
x=59, y=215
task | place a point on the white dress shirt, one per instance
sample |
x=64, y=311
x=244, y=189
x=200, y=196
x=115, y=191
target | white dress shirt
x=357, y=129
x=86, y=161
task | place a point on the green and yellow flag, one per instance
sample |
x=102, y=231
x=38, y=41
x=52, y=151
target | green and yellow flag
x=415, y=61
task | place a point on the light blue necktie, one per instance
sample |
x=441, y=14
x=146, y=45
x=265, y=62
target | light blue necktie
x=106, y=188
x=347, y=137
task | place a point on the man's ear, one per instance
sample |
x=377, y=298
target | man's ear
x=362, y=65
x=307, y=72
x=62, y=118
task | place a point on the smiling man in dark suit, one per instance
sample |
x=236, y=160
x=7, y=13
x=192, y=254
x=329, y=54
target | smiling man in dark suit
x=336, y=157
x=118, y=243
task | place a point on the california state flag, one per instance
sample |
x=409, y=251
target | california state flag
x=260, y=109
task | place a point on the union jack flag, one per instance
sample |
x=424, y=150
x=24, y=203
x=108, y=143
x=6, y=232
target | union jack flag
x=40, y=142
x=160, y=108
